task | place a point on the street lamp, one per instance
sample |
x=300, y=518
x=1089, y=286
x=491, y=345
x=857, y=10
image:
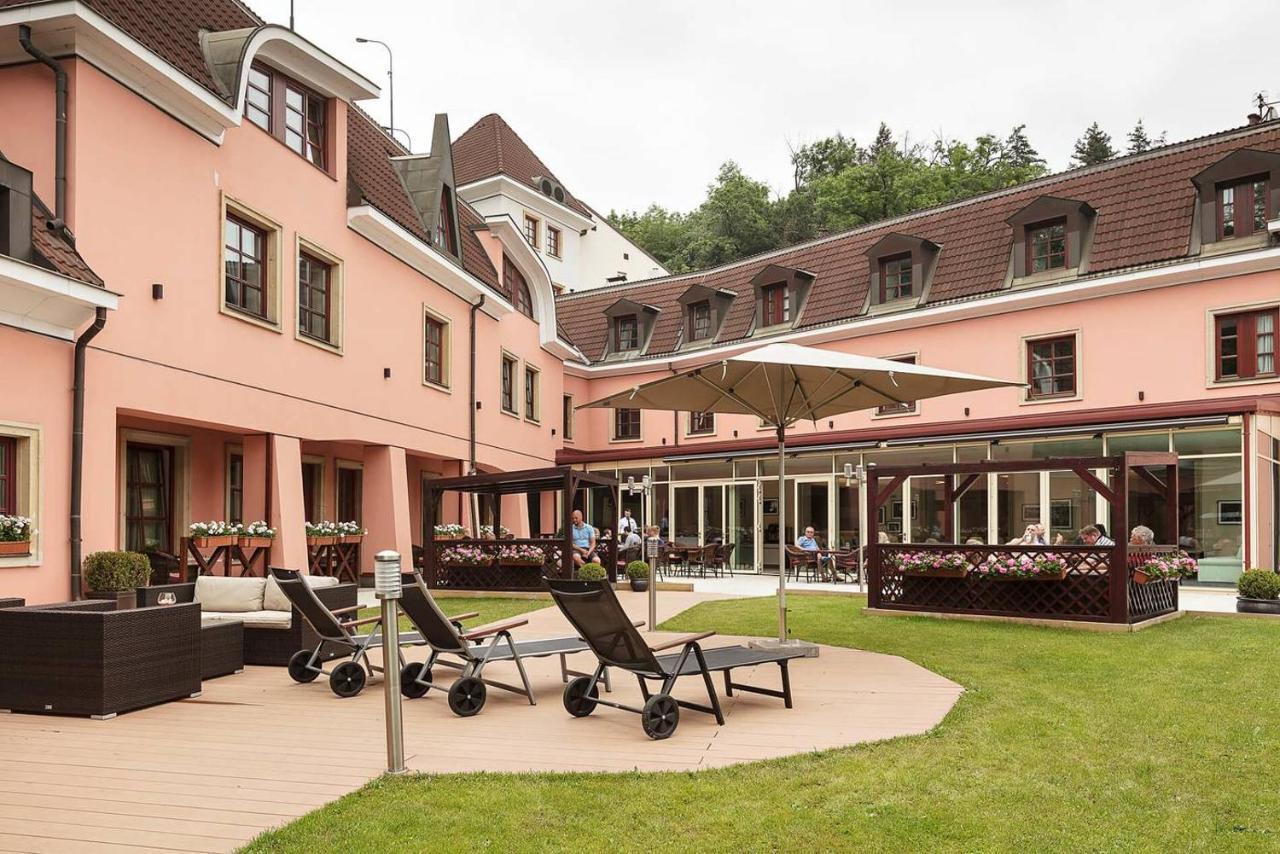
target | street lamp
x=388, y=587
x=650, y=552
x=391, y=84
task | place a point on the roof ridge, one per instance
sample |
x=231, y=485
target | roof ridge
x=1044, y=180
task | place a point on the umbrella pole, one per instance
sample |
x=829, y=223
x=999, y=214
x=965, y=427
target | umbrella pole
x=782, y=533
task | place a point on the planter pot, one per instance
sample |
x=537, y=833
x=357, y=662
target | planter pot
x=936, y=573
x=17, y=547
x=124, y=599
x=1141, y=577
x=1056, y=576
x=536, y=563
x=255, y=542
x=351, y=538
x=212, y=542
x=439, y=537
x=639, y=585
x=321, y=541
x=1257, y=606
x=456, y=565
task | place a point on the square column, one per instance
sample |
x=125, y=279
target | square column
x=385, y=505
x=256, y=480
x=288, y=515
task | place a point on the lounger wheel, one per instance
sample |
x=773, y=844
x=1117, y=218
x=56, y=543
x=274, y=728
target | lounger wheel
x=347, y=679
x=660, y=717
x=576, y=700
x=409, y=684
x=298, y=669
x=467, y=696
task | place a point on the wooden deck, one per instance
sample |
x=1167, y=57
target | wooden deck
x=255, y=750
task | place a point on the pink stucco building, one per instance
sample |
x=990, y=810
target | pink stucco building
x=285, y=315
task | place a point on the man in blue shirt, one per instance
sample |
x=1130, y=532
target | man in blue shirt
x=584, y=539
x=808, y=542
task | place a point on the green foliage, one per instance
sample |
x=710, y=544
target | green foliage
x=1259, y=584
x=838, y=185
x=637, y=569
x=113, y=571
x=1093, y=147
x=1139, y=141
x=592, y=572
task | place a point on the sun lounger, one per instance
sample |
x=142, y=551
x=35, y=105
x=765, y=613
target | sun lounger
x=593, y=609
x=335, y=628
x=471, y=651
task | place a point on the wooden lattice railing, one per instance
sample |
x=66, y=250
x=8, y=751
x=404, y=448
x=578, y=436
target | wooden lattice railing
x=484, y=568
x=1088, y=590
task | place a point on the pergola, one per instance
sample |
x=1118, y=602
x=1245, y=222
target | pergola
x=1098, y=586
x=495, y=573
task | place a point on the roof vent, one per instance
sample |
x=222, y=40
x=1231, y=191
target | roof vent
x=558, y=194
x=550, y=187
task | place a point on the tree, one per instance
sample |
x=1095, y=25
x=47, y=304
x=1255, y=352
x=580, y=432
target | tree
x=823, y=158
x=1093, y=147
x=1019, y=155
x=1138, y=139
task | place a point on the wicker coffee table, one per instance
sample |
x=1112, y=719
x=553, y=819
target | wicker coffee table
x=221, y=649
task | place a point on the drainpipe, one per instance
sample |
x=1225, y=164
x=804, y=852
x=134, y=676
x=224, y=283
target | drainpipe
x=60, y=119
x=475, y=306
x=77, y=444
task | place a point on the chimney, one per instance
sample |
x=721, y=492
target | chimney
x=1255, y=119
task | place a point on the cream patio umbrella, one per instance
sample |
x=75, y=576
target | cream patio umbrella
x=785, y=383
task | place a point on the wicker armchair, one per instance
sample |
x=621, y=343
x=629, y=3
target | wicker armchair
x=86, y=658
x=263, y=645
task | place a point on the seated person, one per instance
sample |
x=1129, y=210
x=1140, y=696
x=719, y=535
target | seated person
x=584, y=540
x=1090, y=535
x=1141, y=535
x=808, y=541
x=632, y=538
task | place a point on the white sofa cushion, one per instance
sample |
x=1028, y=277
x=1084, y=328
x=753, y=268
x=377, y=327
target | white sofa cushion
x=237, y=595
x=273, y=599
x=256, y=619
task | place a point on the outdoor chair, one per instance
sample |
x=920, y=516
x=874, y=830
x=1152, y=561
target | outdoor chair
x=593, y=609
x=348, y=678
x=725, y=557
x=675, y=558
x=446, y=637
x=799, y=559
x=844, y=564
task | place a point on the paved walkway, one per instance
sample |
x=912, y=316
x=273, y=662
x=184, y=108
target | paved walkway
x=256, y=750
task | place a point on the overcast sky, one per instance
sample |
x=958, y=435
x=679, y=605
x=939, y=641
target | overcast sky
x=640, y=102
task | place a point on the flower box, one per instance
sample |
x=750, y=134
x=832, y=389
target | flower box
x=946, y=572
x=321, y=541
x=1058, y=575
x=515, y=562
x=15, y=547
x=351, y=538
x=439, y=537
x=213, y=542
x=255, y=542
x=455, y=564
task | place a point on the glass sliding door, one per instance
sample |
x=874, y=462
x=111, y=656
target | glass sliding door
x=928, y=508
x=1017, y=504
x=740, y=524
x=812, y=508
x=971, y=511
x=713, y=514
x=687, y=516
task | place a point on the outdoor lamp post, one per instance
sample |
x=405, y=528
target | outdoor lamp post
x=391, y=87
x=387, y=587
x=643, y=488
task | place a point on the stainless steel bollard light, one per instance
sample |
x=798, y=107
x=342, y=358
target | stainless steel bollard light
x=387, y=587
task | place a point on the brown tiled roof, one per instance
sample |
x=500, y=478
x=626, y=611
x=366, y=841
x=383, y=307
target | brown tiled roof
x=171, y=28
x=490, y=147
x=372, y=178
x=60, y=255
x=1144, y=209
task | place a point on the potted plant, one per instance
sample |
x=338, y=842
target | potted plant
x=1259, y=592
x=638, y=574
x=116, y=576
x=934, y=564
x=350, y=532
x=592, y=572
x=15, y=535
x=464, y=556
x=486, y=532
x=1024, y=567
x=211, y=535
x=256, y=535
x=521, y=556
x=450, y=531
x=321, y=533
x=1168, y=567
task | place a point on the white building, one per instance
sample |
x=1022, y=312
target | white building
x=500, y=176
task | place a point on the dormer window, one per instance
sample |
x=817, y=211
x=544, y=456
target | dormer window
x=446, y=237
x=700, y=321
x=1046, y=246
x=289, y=111
x=517, y=289
x=1243, y=207
x=626, y=333
x=775, y=305
x=895, y=278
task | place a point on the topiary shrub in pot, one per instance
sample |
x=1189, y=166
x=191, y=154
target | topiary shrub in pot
x=1258, y=592
x=116, y=576
x=592, y=572
x=638, y=574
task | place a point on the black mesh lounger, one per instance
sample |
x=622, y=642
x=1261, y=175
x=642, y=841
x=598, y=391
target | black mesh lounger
x=446, y=637
x=349, y=677
x=595, y=612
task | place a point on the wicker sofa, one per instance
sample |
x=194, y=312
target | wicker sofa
x=273, y=630
x=86, y=658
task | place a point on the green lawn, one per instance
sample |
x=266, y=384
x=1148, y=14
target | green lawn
x=491, y=608
x=1167, y=739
